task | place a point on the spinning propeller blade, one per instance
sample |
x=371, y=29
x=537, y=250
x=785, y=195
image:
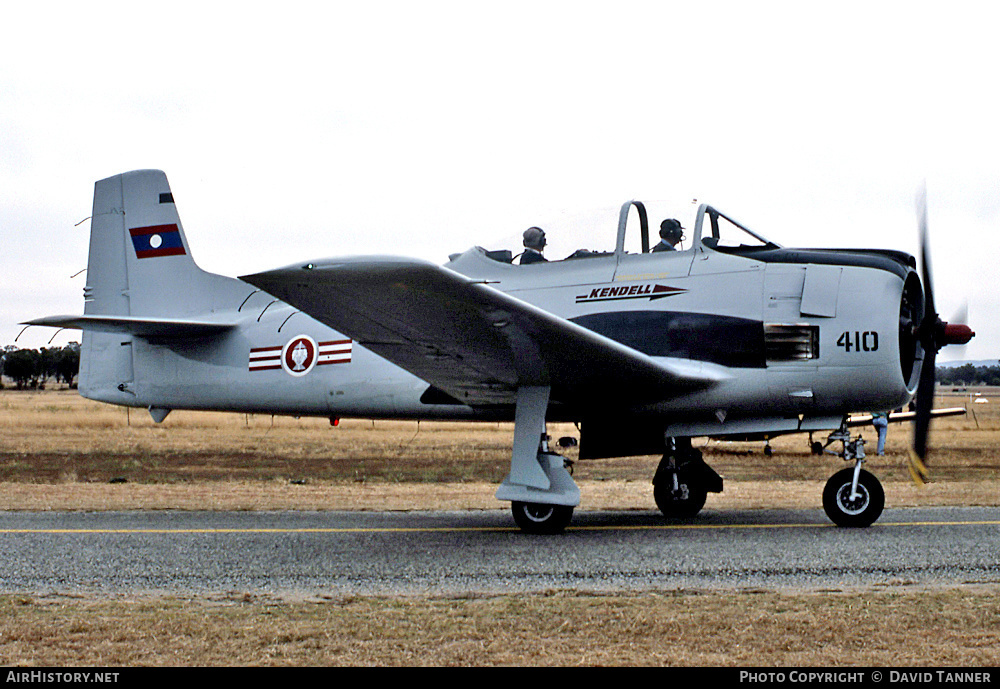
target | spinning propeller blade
x=933, y=334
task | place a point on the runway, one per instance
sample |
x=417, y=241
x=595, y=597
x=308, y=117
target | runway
x=454, y=553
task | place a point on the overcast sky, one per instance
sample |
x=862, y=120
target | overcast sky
x=297, y=131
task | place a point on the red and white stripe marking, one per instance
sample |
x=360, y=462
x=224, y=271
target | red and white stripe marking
x=330, y=352
x=265, y=358
x=334, y=352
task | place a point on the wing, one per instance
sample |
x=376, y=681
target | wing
x=475, y=342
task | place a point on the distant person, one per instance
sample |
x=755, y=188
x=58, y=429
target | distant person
x=534, y=243
x=880, y=420
x=671, y=234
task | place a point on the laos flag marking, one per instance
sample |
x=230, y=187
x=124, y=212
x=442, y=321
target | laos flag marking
x=157, y=240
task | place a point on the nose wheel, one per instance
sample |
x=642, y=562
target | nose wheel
x=852, y=497
x=850, y=505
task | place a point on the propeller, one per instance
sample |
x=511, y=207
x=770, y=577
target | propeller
x=933, y=334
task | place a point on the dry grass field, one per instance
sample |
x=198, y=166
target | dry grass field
x=954, y=628
x=59, y=451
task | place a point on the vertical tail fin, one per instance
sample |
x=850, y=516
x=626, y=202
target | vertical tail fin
x=140, y=267
x=140, y=263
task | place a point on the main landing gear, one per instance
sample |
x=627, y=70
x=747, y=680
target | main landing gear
x=852, y=497
x=539, y=486
x=683, y=481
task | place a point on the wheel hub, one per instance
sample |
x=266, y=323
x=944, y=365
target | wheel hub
x=537, y=512
x=852, y=506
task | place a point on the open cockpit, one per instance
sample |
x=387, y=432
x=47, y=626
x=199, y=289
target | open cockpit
x=712, y=231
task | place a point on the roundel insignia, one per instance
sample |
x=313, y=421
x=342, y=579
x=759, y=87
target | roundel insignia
x=299, y=355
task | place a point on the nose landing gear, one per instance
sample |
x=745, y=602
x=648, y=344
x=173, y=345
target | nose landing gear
x=852, y=497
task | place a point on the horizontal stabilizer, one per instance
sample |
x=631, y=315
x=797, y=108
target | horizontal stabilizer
x=157, y=328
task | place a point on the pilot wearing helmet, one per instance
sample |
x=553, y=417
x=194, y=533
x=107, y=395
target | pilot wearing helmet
x=534, y=243
x=671, y=233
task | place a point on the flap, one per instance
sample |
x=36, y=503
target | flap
x=471, y=340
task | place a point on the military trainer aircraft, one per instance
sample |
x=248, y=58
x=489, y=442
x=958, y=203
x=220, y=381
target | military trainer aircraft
x=734, y=335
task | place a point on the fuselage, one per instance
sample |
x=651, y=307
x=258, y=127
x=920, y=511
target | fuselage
x=755, y=337
x=803, y=334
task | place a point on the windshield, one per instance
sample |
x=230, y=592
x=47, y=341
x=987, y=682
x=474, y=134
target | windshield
x=720, y=232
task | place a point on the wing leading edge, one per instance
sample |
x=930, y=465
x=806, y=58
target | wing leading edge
x=471, y=340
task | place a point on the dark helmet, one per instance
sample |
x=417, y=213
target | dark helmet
x=671, y=231
x=534, y=238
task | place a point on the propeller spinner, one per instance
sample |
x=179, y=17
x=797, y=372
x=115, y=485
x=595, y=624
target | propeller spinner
x=932, y=334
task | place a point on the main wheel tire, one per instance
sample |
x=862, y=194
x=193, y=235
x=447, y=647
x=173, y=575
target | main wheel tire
x=857, y=513
x=687, y=502
x=539, y=518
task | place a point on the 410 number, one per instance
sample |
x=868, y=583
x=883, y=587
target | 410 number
x=859, y=341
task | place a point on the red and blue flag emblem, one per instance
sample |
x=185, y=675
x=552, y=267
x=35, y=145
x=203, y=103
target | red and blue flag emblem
x=157, y=240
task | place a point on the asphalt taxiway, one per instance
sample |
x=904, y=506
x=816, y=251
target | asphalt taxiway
x=448, y=553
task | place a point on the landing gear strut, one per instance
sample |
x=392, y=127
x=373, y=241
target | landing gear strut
x=683, y=481
x=852, y=497
x=539, y=486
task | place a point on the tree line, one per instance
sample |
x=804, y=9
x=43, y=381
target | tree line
x=30, y=369
x=968, y=375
